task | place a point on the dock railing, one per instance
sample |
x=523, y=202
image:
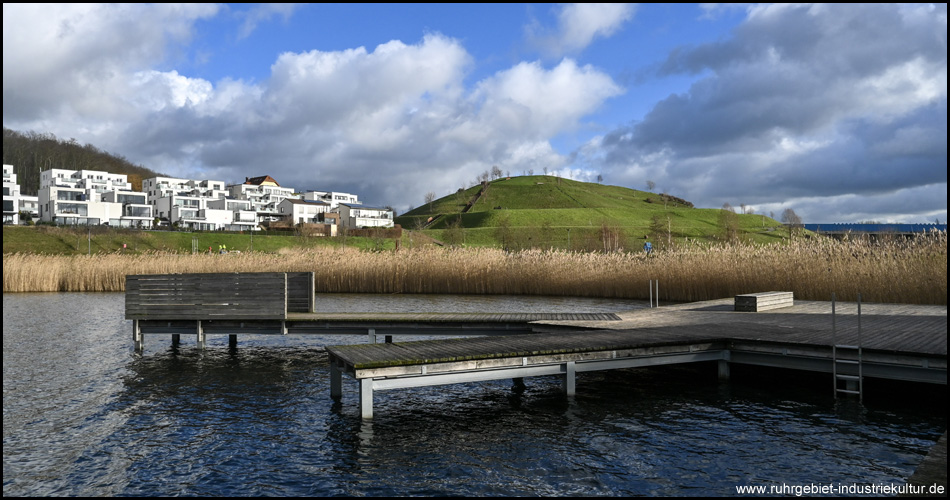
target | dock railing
x=216, y=296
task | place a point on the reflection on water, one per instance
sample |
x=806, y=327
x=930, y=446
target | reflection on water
x=83, y=415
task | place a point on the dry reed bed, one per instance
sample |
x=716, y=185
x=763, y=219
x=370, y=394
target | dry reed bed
x=900, y=271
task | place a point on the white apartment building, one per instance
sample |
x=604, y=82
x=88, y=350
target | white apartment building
x=356, y=217
x=203, y=205
x=243, y=218
x=11, y=196
x=264, y=193
x=136, y=212
x=30, y=205
x=333, y=198
x=90, y=197
x=302, y=211
x=94, y=180
x=159, y=187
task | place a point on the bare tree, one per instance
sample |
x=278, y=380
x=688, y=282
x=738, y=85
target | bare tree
x=430, y=197
x=600, y=178
x=791, y=220
x=729, y=225
x=726, y=206
x=651, y=186
x=495, y=172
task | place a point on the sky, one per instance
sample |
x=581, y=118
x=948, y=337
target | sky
x=838, y=112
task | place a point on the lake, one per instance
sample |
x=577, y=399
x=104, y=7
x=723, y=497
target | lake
x=85, y=416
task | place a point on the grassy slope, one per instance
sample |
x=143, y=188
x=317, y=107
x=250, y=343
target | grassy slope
x=553, y=207
x=75, y=241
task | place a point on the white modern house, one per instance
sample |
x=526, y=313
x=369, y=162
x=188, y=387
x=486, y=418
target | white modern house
x=264, y=194
x=11, y=196
x=30, y=205
x=93, y=180
x=136, y=212
x=333, y=198
x=302, y=211
x=90, y=197
x=198, y=204
x=357, y=216
x=160, y=187
x=242, y=217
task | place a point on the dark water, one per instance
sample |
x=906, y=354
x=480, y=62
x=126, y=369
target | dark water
x=84, y=416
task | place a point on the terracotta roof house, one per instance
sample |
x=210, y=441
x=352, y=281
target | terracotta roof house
x=264, y=180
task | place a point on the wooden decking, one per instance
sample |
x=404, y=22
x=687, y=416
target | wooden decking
x=900, y=342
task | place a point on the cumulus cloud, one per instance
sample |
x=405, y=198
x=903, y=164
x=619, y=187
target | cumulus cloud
x=578, y=25
x=806, y=102
x=76, y=58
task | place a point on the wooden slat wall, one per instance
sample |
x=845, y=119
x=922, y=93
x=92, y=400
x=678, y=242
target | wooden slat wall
x=206, y=296
x=300, y=292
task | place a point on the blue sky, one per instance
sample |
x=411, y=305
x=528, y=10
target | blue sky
x=836, y=111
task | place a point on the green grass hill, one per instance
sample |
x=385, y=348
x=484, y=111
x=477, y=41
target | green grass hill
x=547, y=211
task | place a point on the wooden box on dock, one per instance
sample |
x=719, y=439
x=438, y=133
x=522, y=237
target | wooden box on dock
x=763, y=301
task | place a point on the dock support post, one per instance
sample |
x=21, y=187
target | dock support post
x=372, y=335
x=568, y=383
x=723, y=370
x=724, y=367
x=366, y=398
x=201, y=336
x=138, y=340
x=176, y=339
x=232, y=341
x=336, y=382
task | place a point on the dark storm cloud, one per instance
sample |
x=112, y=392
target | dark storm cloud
x=801, y=101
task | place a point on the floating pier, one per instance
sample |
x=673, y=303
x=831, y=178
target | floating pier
x=900, y=342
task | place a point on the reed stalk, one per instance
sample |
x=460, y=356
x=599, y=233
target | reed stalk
x=897, y=271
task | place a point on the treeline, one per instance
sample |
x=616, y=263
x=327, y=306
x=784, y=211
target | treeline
x=31, y=153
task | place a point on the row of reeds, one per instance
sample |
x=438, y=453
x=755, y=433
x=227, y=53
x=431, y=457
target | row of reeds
x=898, y=271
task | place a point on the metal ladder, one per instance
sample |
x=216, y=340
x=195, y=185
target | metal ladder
x=853, y=384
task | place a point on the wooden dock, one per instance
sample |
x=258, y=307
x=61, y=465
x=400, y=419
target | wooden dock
x=900, y=342
x=889, y=341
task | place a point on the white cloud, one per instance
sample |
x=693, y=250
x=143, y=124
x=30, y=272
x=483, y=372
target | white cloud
x=579, y=24
x=529, y=97
x=262, y=13
x=77, y=57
